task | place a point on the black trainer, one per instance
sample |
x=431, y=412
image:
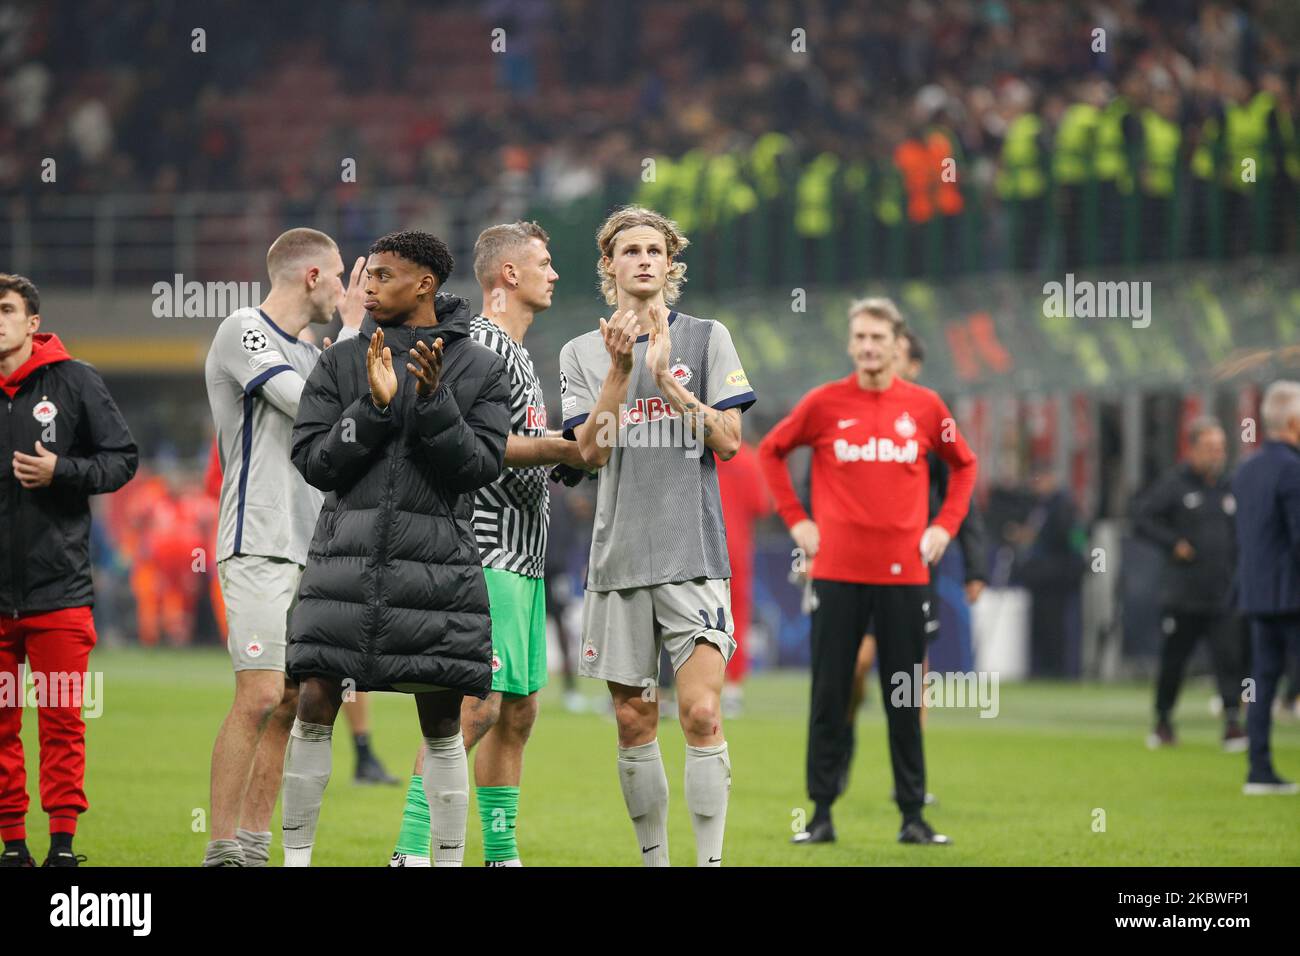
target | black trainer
x=918, y=831
x=822, y=831
x=16, y=858
x=370, y=770
x=63, y=857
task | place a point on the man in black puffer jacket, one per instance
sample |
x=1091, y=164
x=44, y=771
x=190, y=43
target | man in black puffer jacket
x=393, y=596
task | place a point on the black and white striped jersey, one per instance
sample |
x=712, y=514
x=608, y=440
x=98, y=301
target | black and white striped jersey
x=511, y=514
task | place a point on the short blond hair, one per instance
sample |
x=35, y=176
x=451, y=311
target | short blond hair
x=878, y=307
x=629, y=217
x=293, y=246
x=496, y=243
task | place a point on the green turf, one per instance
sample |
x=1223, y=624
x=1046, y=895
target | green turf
x=1018, y=789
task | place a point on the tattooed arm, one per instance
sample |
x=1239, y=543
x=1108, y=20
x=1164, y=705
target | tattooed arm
x=718, y=430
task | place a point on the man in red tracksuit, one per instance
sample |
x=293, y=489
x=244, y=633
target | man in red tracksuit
x=62, y=440
x=870, y=550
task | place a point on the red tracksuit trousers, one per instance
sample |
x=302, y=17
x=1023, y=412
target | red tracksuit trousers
x=51, y=643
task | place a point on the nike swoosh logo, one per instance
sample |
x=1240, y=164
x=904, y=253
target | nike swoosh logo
x=846, y=422
x=647, y=849
x=450, y=846
x=715, y=859
x=298, y=827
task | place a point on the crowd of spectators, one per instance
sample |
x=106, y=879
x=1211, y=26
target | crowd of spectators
x=573, y=94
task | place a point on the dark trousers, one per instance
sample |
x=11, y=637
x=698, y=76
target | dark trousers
x=1183, y=631
x=896, y=615
x=1271, y=638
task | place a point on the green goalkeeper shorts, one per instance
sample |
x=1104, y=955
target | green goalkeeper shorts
x=518, y=631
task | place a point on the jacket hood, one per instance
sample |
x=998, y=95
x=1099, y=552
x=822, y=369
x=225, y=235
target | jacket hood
x=46, y=350
x=454, y=316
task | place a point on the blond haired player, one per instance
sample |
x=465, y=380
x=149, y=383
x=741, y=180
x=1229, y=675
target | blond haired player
x=651, y=397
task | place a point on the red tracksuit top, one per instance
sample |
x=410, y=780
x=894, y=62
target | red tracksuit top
x=870, y=477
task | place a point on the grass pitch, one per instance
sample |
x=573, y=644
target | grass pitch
x=1032, y=786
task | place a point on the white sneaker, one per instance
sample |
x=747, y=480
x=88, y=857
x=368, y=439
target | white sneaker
x=408, y=859
x=1281, y=788
x=515, y=862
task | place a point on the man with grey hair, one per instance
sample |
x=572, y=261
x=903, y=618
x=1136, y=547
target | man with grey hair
x=1188, y=514
x=1267, y=488
x=513, y=268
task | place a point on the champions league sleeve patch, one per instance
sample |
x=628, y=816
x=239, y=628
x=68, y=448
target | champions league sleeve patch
x=253, y=340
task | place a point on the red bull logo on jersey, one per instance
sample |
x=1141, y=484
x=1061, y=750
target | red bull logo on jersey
x=649, y=423
x=647, y=410
x=535, y=417
x=878, y=449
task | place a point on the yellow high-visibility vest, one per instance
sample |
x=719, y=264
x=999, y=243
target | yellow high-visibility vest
x=1021, y=174
x=1110, y=159
x=813, y=215
x=765, y=162
x=1072, y=150
x=1161, y=140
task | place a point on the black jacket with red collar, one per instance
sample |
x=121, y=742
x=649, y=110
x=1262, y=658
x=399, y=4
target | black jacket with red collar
x=45, y=532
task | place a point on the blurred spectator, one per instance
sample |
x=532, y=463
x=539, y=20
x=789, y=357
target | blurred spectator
x=744, y=501
x=1188, y=514
x=1049, y=564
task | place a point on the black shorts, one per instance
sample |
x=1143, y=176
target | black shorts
x=929, y=601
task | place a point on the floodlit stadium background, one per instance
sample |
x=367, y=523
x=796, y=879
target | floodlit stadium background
x=791, y=141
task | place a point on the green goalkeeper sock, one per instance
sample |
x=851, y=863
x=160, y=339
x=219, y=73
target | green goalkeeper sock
x=497, y=809
x=413, y=838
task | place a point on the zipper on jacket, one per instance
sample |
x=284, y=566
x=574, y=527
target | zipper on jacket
x=15, y=559
x=382, y=550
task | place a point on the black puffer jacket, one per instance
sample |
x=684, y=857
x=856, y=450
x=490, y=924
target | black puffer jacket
x=393, y=595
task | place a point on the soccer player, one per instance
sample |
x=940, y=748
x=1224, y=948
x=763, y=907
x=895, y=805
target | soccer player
x=871, y=550
x=513, y=268
x=651, y=397
x=369, y=768
x=63, y=441
x=1189, y=515
x=255, y=372
x=393, y=596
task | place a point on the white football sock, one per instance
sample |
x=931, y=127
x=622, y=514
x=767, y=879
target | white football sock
x=446, y=788
x=708, y=784
x=307, y=763
x=645, y=791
